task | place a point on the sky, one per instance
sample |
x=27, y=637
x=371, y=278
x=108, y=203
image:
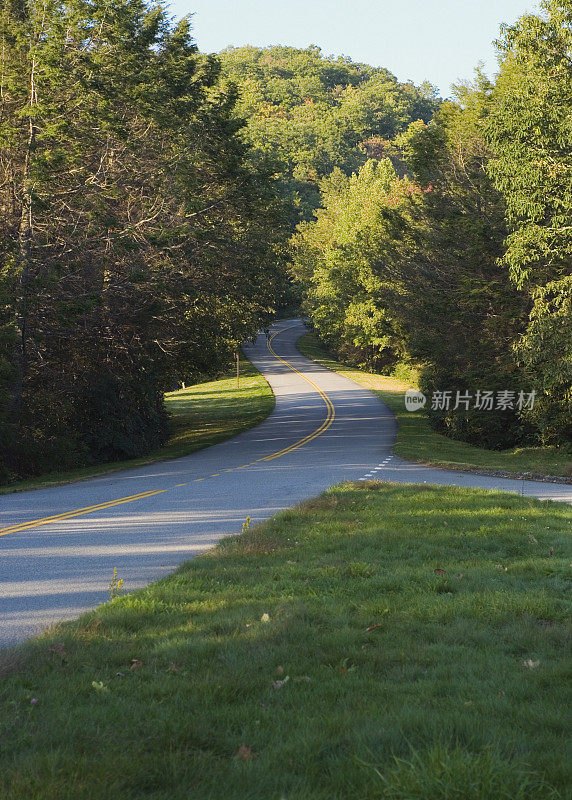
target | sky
x=441, y=41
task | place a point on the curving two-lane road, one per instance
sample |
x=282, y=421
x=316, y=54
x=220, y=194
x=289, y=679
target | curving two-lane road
x=59, y=546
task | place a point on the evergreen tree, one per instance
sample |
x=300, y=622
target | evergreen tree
x=141, y=245
x=462, y=312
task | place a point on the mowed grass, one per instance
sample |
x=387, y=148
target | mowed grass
x=416, y=441
x=380, y=641
x=200, y=415
x=208, y=413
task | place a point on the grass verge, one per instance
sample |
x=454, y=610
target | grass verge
x=380, y=641
x=416, y=441
x=201, y=415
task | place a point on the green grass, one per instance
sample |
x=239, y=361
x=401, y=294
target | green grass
x=416, y=441
x=200, y=415
x=380, y=641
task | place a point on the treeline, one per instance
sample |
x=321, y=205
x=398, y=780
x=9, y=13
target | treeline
x=308, y=114
x=451, y=247
x=148, y=192
x=139, y=244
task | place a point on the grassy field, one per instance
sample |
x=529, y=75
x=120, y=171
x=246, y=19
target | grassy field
x=200, y=415
x=380, y=641
x=416, y=441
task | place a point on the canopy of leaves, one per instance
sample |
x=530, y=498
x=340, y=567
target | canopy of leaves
x=487, y=212
x=139, y=244
x=530, y=130
x=408, y=267
x=334, y=257
x=308, y=114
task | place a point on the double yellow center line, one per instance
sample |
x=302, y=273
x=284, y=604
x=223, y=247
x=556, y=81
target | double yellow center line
x=78, y=512
x=331, y=413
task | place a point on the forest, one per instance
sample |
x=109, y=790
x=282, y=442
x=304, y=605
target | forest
x=160, y=205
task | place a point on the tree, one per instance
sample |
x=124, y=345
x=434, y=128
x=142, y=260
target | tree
x=530, y=133
x=407, y=268
x=334, y=256
x=141, y=244
x=461, y=309
x=308, y=114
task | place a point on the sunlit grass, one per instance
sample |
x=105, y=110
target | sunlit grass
x=200, y=415
x=416, y=441
x=379, y=641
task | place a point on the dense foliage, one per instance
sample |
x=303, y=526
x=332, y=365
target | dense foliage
x=457, y=254
x=147, y=193
x=344, y=257
x=308, y=114
x=448, y=282
x=530, y=131
x=408, y=267
x=138, y=244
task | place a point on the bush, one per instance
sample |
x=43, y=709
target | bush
x=120, y=416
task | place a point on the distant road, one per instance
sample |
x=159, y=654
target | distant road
x=59, y=546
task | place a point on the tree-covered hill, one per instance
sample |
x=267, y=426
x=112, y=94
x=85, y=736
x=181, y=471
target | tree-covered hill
x=308, y=113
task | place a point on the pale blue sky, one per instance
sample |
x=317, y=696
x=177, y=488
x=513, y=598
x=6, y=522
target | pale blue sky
x=436, y=40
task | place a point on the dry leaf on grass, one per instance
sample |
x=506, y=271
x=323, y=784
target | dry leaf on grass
x=530, y=664
x=373, y=627
x=135, y=664
x=440, y=571
x=244, y=752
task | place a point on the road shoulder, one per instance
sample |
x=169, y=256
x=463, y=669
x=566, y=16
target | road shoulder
x=418, y=443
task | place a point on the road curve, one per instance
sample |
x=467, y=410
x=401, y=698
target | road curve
x=59, y=546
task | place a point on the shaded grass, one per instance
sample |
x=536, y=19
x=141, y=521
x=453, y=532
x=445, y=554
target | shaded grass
x=417, y=441
x=372, y=676
x=200, y=415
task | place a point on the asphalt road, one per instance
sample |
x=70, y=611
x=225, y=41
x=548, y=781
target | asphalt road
x=59, y=546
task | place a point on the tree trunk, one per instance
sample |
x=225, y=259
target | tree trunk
x=25, y=240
